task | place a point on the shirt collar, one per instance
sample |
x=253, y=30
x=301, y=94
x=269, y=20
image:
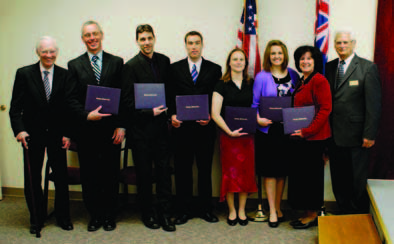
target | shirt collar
x=99, y=55
x=42, y=68
x=349, y=59
x=198, y=64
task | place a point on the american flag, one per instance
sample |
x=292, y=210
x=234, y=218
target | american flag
x=321, y=28
x=247, y=36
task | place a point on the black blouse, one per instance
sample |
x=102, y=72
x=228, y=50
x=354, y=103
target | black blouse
x=233, y=96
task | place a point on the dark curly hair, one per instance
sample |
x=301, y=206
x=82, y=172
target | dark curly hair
x=316, y=56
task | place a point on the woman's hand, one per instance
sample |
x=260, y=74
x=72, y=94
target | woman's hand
x=263, y=121
x=237, y=133
x=298, y=133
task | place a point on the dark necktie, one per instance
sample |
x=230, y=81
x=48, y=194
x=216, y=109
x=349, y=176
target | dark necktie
x=341, y=73
x=194, y=73
x=46, y=85
x=96, y=68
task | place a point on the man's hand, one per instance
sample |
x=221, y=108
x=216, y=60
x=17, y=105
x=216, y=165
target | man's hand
x=66, y=142
x=204, y=122
x=237, y=133
x=96, y=115
x=297, y=133
x=21, y=137
x=159, y=110
x=118, y=136
x=175, y=122
x=368, y=143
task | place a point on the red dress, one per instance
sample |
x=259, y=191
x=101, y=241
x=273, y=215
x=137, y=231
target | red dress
x=238, y=170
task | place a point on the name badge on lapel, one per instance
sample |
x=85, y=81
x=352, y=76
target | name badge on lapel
x=353, y=83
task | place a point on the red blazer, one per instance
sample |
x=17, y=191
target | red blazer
x=315, y=91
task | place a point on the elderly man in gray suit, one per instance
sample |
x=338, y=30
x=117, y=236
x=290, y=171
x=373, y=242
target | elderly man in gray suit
x=356, y=98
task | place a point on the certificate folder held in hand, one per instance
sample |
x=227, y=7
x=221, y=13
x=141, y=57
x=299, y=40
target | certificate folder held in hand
x=192, y=107
x=241, y=117
x=271, y=107
x=297, y=118
x=106, y=97
x=149, y=95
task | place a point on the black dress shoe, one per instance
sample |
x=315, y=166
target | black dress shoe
x=109, y=224
x=301, y=225
x=65, y=224
x=34, y=229
x=94, y=224
x=151, y=222
x=243, y=222
x=182, y=219
x=166, y=223
x=232, y=222
x=209, y=217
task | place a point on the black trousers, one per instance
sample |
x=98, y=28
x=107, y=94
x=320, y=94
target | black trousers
x=150, y=146
x=99, y=161
x=33, y=188
x=306, y=175
x=349, y=173
x=193, y=141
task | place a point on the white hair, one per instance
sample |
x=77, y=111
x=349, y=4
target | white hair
x=48, y=38
x=91, y=22
x=345, y=31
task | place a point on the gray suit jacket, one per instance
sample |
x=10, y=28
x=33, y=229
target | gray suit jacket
x=356, y=102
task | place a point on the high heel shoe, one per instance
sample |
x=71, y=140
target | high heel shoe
x=231, y=222
x=273, y=224
x=300, y=225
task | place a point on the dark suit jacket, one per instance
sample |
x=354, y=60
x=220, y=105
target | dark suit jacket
x=82, y=75
x=142, y=124
x=181, y=82
x=30, y=111
x=356, y=102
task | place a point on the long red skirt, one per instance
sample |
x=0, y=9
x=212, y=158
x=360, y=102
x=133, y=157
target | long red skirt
x=238, y=170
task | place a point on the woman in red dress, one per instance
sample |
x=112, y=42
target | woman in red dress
x=236, y=147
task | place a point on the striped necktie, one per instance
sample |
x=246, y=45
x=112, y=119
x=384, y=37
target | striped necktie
x=96, y=68
x=194, y=73
x=46, y=85
x=341, y=73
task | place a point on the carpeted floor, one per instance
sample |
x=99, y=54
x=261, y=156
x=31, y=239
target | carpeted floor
x=14, y=229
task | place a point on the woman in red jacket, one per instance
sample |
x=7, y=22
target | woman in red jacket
x=306, y=181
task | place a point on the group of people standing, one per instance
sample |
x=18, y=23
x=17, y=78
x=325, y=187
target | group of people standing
x=47, y=109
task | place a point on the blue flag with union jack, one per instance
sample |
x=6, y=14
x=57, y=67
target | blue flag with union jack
x=247, y=37
x=322, y=28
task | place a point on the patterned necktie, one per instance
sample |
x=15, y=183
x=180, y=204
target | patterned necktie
x=46, y=85
x=96, y=68
x=194, y=73
x=341, y=73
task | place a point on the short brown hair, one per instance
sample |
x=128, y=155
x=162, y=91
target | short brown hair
x=227, y=75
x=143, y=28
x=193, y=33
x=267, y=53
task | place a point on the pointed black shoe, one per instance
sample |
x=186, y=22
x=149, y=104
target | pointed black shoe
x=166, y=223
x=301, y=225
x=65, y=224
x=151, y=222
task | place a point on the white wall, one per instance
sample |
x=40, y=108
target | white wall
x=22, y=22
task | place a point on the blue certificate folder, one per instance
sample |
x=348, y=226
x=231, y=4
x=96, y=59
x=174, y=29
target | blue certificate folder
x=149, y=95
x=271, y=107
x=192, y=107
x=241, y=117
x=106, y=97
x=297, y=118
